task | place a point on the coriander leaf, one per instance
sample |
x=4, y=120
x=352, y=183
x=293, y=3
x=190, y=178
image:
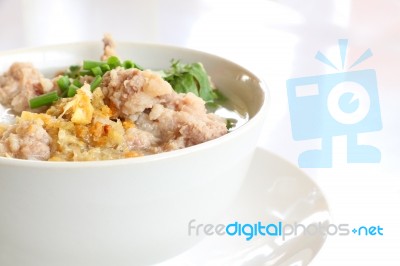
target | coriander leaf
x=185, y=84
x=212, y=107
x=231, y=123
x=199, y=73
x=193, y=78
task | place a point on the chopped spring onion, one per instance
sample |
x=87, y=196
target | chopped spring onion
x=72, y=90
x=69, y=83
x=128, y=64
x=95, y=83
x=74, y=71
x=42, y=100
x=97, y=71
x=88, y=64
x=85, y=73
x=63, y=83
x=77, y=83
x=105, y=68
x=113, y=62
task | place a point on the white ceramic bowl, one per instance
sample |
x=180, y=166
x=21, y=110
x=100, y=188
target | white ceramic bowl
x=132, y=211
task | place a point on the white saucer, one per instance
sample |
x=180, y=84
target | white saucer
x=274, y=191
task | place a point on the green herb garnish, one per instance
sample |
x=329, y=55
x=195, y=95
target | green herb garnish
x=95, y=83
x=184, y=78
x=72, y=90
x=231, y=123
x=193, y=78
x=69, y=83
x=42, y=100
x=63, y=83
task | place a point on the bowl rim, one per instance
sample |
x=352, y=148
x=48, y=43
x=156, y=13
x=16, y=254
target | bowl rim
x=252, y=122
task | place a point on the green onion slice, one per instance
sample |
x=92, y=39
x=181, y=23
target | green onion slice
x=128, y=64
x=97, y=71
x=88, y=64
x=95, y=83
x=72, y=90
x=42, y=100
x=105, y=68
x=63, y=83
x=85, y=73
x=77, y=83
x=73, y=71
x=113, y=62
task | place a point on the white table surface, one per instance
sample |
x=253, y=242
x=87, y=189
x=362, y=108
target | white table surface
x=278, y=40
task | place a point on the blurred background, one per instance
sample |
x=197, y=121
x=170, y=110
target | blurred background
x=278, y=40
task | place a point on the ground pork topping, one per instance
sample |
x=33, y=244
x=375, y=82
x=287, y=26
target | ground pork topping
x=26, y=140
x=175, y=120
x=132, y=91
x=21, y=83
